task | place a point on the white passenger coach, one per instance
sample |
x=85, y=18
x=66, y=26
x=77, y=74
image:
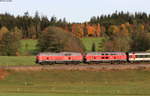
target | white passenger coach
x=139, y=57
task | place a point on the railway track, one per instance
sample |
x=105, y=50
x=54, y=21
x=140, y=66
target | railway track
x=81, y=67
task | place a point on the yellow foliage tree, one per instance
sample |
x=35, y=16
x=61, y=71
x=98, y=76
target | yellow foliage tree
x=124, y=30
x=79, y=31
x=3, y=30
x=98, y=30
x=113, y=30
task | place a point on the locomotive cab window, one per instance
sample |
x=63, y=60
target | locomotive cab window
x=67, y=54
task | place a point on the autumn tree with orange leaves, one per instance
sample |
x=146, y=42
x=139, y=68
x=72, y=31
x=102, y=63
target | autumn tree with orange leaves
x=90, y=30
x=77, y=30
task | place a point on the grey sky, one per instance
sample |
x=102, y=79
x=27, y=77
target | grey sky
x=74, y=10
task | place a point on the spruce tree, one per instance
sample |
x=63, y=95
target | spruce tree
x=10, y=43
x=93, y=47
x=48, y=41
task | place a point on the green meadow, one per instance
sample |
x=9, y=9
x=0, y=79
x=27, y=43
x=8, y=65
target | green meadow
x=76, y=83
x=69, y=83
x=89, y=41
x=17, y=60
x=28, y=46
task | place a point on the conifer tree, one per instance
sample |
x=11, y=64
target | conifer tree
x=10, y=42
x=93, y=49
x=48, y=41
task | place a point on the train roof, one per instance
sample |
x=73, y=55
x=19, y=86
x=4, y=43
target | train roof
x=140, y=53
x=59, y=54
x=105, y=53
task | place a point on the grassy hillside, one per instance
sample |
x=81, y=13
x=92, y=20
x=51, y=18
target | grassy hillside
x=28, y=46
x=89, y=41
x=76, y=83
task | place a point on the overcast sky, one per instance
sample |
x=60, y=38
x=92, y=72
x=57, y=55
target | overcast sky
x=73, y=10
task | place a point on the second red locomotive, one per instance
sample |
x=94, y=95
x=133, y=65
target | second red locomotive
x=102, y=57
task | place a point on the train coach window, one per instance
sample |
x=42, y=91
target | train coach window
x=139, y=56
x=146, y=56
x=115, y=54
x=142, y=56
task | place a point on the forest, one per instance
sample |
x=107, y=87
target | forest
x=122, y=31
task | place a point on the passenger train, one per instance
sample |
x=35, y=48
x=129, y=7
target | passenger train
x=92, y=57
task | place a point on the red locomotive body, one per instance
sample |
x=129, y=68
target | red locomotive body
x=99, y=57
x=62, y=57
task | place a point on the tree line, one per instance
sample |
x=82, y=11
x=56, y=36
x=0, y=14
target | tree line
x=121, y=32
x=98, y=26
x=30, y=26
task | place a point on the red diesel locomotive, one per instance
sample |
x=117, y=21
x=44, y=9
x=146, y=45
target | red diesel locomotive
x=62, y=57
x=109, y=57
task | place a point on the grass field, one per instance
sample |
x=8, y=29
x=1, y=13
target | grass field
x=17, y=60
x=70, y=83
x=89, y=41
x=76, y=83
x=28, y=46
